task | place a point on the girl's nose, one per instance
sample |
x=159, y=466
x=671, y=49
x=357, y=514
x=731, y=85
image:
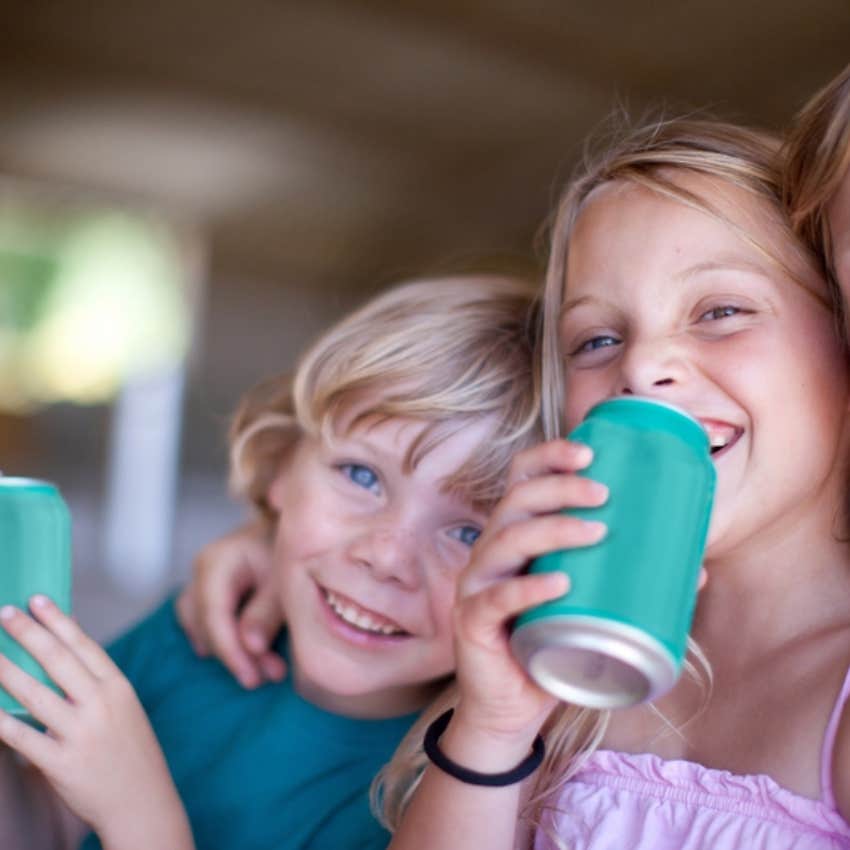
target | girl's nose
x=651, y=367
x=390, y=554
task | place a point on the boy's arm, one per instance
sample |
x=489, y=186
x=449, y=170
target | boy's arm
x=99, y=752
x=230, y=610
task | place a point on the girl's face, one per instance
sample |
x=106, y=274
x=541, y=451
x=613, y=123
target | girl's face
x=366, y=554
x=666, y=301
x=838, y=215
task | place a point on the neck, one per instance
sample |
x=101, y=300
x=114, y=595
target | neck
x=767, y=592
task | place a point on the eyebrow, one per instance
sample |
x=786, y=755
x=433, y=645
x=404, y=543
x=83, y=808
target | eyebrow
x=732, y=264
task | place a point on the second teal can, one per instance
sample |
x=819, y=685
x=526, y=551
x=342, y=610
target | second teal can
x=619, y=636
x=35, y=557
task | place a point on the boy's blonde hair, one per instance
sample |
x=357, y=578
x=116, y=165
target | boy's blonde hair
x=817, y=155
x=448, y=351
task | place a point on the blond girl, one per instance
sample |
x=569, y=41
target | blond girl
x=674, y=275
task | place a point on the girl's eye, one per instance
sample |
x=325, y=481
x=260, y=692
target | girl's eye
x=360, y=475
x=466, y=534
x=595, y=343
x=719, y=313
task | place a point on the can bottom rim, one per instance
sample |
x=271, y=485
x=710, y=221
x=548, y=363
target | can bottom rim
x=594, y=663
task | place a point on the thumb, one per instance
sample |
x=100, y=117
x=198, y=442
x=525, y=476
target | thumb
x=260, y=620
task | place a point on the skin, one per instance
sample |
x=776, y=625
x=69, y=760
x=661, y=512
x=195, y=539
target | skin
x=364, y=539
x=667, y=301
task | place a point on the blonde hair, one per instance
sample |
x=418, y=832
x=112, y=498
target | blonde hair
x=448, y=351
x=817, y=156
x=650, y=156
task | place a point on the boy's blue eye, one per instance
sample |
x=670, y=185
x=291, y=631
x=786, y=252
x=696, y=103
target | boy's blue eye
x=361, y=475
x=467, y=534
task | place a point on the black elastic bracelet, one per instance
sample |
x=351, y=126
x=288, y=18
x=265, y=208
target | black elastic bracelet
x=472, y=777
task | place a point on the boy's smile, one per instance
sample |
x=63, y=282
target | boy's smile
x=367, y=552
x=687, y=308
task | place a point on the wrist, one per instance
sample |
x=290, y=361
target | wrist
x=485, y=749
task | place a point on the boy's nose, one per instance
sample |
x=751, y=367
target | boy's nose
x=390, y=554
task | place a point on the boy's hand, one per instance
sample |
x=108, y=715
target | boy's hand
x=212, y=612
x=98, y=751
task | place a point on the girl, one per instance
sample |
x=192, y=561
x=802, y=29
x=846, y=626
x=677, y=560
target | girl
x=817, y=177
x=673, y=274
x=373, y=470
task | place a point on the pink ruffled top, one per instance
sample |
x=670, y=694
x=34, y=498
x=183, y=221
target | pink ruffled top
x=619, y=801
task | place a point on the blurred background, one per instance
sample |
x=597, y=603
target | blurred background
x=190, y=191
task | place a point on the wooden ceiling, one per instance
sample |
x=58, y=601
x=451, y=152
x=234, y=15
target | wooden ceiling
x=340, y=144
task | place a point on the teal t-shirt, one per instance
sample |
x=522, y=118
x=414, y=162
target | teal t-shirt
x=261, y=769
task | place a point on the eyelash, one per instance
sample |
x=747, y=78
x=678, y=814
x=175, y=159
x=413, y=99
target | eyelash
x=734, y=311
x=587, y=347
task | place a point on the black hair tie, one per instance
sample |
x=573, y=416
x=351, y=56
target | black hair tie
x=472, y=777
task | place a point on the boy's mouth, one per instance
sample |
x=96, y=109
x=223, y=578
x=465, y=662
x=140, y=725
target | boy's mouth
x=721, y=435
x=361, y=618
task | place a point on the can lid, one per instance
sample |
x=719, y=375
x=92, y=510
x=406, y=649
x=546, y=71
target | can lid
x=591, y=662
x=14, y=482
x=652, y=414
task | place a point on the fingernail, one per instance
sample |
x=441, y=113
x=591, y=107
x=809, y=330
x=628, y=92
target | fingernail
x=559, y=581
x=583, y=455
x=255, y=640
x=39, y=601
x=7, y=612
x=598, y=490
x=595, y=530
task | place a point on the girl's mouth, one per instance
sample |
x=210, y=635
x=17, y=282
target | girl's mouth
x=721, y=435
x=362, y=619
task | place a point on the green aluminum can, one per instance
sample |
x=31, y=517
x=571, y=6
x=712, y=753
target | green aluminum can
x=619, y=636
x=35, y=557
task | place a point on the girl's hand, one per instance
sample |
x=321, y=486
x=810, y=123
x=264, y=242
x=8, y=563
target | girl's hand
x=212, y=613
x=98, y=751
x=496, y=695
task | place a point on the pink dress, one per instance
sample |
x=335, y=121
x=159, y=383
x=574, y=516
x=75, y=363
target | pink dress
x=641, y=802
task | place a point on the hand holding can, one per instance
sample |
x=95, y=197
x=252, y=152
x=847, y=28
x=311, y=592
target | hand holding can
x=619, y=636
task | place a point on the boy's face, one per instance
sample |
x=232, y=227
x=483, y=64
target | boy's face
x=838, y=215
x=366, y=555
x=666, y=301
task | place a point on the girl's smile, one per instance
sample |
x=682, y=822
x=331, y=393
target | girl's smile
x=689, y=309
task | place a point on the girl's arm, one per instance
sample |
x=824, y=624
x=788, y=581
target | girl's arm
x=500, y=710
x=98, y=750
x=214, y=613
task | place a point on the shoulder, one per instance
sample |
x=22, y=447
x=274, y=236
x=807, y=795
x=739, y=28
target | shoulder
x=840, y=728
x=151, y=646
x=841, y=764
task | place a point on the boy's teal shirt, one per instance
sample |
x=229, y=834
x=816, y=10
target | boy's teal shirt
x=256, y=770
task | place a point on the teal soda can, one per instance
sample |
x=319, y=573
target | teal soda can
x=35, y=557
x=619, y=636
